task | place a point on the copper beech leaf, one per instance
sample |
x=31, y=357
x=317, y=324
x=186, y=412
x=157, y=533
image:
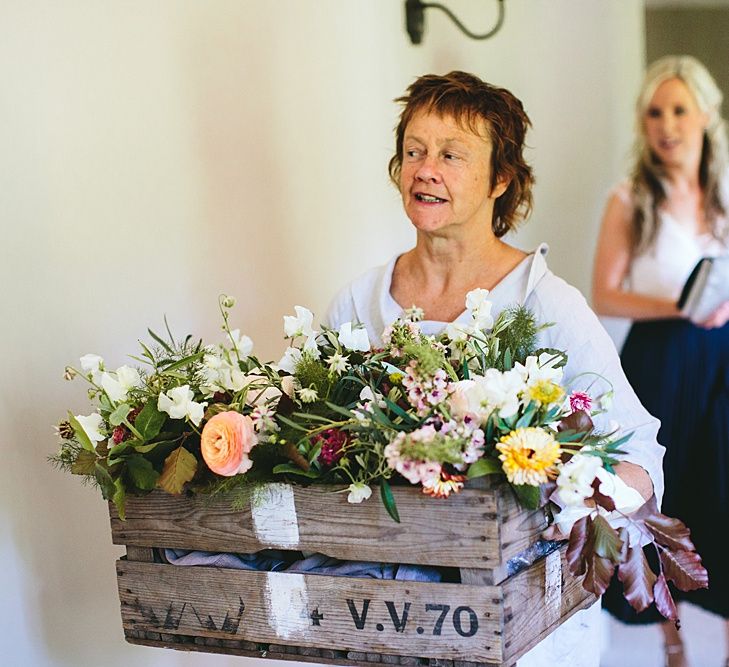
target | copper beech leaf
x=663, y=599
x=600, y=498
x=179, y=468
x=578, y=421
x=684, y=569
x=575, y=550
x=638, y=579
x=669, y=532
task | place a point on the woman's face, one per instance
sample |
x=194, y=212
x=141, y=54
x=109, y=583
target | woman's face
x=446, y=173
x=674, y=125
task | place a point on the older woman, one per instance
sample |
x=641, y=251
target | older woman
x=671, y=212
x=464, y=183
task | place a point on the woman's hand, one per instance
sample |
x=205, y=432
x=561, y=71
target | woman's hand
x=718, y=318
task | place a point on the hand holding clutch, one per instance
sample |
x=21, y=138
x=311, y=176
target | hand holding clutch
x=706, y=292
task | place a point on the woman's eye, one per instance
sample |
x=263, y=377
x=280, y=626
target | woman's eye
x=654, y=113
x=679, y=111
x=412, y=153
x=450, y=156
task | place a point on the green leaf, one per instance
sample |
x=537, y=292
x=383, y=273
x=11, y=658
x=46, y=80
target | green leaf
x=291, y=423
x=119, y=414
x=507, y=360
x=161, y=342
x=399, y=411
x=85, y=463
x=106, y=483
x=81, y=436
x=526, y=418
x=119, y=498
x=142, y=473
x=606, y=541
x=185, y=361
x=527, y=494
x=485, y=466
x=179, y=468
x=291, y=469
x=149, y=421
x=465, y=371
x=388, y=500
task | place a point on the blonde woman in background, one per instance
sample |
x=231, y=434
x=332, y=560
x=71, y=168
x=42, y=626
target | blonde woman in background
x=671, y=212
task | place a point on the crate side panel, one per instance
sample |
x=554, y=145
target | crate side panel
x=519, y=528
x=430, y=620
x=538, y=600
x=460, y=531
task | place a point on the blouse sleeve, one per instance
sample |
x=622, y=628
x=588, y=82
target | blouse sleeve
x=594, y=365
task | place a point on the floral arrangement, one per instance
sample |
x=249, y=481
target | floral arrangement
x=434, y=411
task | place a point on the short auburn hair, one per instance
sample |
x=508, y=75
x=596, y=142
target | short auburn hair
x=468, y=99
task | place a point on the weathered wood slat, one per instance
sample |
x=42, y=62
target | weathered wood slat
x=460, y=531
x=370, y=616
x=536, y=604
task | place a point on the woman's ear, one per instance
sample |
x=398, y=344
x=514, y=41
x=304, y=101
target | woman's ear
x=501, y=185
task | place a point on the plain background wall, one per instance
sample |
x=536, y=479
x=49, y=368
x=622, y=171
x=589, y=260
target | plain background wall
x=155, y=154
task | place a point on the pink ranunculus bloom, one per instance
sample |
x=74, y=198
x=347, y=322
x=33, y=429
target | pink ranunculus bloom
x=226, y=441
x=579, y=400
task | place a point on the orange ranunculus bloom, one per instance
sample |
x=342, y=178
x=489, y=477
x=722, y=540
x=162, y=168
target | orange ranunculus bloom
x=226, y=441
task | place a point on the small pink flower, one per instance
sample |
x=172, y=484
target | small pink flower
x=226, y=442
x=579, y=400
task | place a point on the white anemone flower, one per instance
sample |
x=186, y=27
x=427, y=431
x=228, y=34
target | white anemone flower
x=354, y=338
x=178, y=404
x=91, y=424
x=299, y=324
x=358, y=492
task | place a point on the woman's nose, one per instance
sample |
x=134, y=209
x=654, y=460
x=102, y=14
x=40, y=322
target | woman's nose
x=427, y=171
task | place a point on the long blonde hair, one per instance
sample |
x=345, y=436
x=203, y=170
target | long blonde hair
x=649, y=178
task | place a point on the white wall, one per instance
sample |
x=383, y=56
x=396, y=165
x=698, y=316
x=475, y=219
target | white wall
x=155, y=154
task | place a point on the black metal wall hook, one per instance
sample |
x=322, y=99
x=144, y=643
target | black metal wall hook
x=415, y=20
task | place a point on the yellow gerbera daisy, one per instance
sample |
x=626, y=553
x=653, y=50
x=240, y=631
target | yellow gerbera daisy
x=545, y=392
x=529, y=455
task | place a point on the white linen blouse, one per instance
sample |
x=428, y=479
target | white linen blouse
x=590, y=350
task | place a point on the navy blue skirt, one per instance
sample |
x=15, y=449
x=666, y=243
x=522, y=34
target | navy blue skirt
x=680, y=372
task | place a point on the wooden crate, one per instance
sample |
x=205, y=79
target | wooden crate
x=490, y=618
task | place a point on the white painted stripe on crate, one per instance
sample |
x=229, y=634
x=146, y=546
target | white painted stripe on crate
x=274, y=516
x=553, y=586
x=287, y=605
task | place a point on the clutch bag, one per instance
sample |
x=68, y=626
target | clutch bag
x=706, y=288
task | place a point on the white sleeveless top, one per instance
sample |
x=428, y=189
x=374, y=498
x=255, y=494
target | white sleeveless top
x=662, y=269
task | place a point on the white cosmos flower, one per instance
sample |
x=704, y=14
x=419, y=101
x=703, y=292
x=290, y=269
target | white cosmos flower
x=291, y=357
x=91, y=424
x=299, y=324
x=178, y=404
x=91, y=364
x=358, y=492
x=243, y=344
x=117, y=384
x=353, y=338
